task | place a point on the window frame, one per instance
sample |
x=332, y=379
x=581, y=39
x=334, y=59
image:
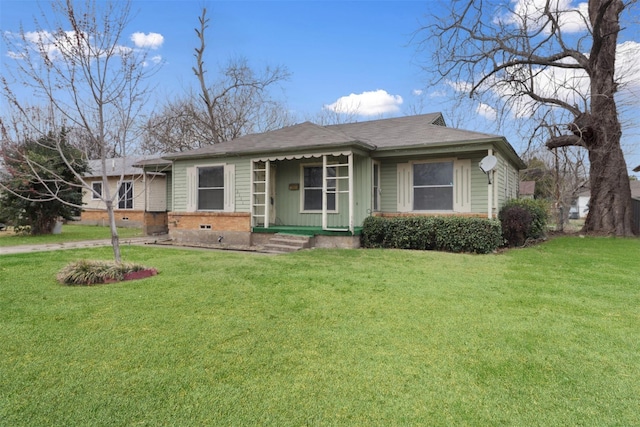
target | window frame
x=124, y=199
x=304, y=189
x=94, y=190
x=450, y=186
x=198, y=188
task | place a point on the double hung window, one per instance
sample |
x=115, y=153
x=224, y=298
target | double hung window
x=211, y=188
x=433, y=186
x=312, y=188
x=97, y=190
x=125, y=195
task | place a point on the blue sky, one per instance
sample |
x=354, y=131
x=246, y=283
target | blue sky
x=333, y=49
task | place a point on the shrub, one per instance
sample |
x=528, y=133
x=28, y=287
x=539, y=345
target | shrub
x=376, y=232
x=516, y=223
x=451, y=234
x=87, y=272
x=512, y=226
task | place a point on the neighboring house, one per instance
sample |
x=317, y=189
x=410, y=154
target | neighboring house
x=527, y=189
x=141, y=195
x=325, y=180
x=582, y=201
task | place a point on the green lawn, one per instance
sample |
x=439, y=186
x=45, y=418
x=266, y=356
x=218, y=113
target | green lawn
x=548, y=335
x=70, y=233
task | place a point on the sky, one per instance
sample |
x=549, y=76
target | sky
x=339, y=53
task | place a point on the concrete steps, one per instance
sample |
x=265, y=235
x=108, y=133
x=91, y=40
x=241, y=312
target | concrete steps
x=282, y=243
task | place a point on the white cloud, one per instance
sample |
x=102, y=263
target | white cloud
x=628, y=64
x=571, y=18
x=150, y=40
x=438, y=94
x=371, y=103
x=417, y=92
x=486, y=111
x=569, y=85
x=155, y=60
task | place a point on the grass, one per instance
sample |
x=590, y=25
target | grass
x=548, y=335
x=70, y=233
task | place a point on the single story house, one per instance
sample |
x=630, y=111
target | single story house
x=140, y=195
x=325, y=180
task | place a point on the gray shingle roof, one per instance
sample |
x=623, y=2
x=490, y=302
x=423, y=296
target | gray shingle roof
x=118, y=166
x=409, y=131
x=301, y=136
x=375, y=135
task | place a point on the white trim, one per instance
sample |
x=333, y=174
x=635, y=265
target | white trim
x=228, y=187
x=302, y=188
x=93, y=191
x=120, y=183
x=300, y=156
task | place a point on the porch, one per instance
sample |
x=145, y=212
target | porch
x=314, y=237
x=326, y=194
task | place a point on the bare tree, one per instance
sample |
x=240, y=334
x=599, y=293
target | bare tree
x=553, y=63
x=236, y=103
x=90, y=82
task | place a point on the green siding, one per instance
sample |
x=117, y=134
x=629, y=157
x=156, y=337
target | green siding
x=288, y=201
x=388, y=182
x=169, y=190
x=241, y=178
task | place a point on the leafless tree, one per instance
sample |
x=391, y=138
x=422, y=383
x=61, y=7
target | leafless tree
x=237, y=103
x=89, y=80
x=555, y=64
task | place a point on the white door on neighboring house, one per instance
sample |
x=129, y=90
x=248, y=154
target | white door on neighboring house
x=272, y=194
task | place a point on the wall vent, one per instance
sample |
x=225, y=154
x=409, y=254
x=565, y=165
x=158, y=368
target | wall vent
x=205, y=226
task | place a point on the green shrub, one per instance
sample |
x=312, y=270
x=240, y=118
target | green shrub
x=88, y=272
x=376, y=231
x=516, y=222
x=451, y=234
x=538, y=211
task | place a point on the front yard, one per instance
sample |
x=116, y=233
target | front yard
x=548, y=335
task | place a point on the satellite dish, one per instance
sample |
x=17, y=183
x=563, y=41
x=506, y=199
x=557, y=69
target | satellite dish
x=488, y=164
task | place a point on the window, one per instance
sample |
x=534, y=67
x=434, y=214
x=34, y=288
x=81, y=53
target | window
x=97, y=190
x=312, y=188
x=125, y=195
x=211, y=188
x=433, y=186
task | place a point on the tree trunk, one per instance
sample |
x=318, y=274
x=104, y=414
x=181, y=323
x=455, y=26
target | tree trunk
x=115, y=240
x=610, y=202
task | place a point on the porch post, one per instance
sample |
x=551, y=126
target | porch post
x=490, y=191
x=267, y=192
x=324, y=192
x=351, y=199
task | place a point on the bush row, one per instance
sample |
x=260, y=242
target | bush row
x=450, y=234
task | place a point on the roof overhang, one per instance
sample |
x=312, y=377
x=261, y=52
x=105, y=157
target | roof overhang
x=279, y=153
x=451, y=147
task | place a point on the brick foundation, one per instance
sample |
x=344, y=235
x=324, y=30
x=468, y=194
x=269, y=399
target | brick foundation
x=209, y=227
x=124, y=218
x=155, y=223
